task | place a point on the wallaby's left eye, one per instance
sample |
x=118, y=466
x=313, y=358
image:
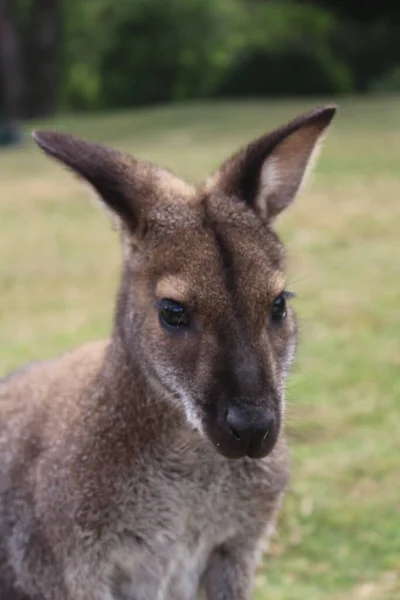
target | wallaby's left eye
x=173, y=315
x=278, y=311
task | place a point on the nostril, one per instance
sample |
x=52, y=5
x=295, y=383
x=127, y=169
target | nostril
x=233, y=433
x=235, y=425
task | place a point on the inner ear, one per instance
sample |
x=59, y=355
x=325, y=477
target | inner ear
x=268, y=173
x=286, y=170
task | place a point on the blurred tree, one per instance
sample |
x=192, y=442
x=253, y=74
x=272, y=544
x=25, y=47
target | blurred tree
x=163, y=50
x=366, y=38
x=86, y=31
x=92, y=54
x=42, y=57
x=362, y=11
x=287, y=52
x=10, y=75
x=370, y=49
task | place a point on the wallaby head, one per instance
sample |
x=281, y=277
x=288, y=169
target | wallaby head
x=203, y=310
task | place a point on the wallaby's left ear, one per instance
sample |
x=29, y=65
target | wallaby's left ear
x=268, y=173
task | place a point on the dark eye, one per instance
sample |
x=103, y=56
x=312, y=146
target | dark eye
x=278, y=312
x=173, y=315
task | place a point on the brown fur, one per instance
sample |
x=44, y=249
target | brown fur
x=115, y=480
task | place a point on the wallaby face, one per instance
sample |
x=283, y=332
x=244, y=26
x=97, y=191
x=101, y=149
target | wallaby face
x=203, y=305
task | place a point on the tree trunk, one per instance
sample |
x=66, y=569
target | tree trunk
x=10, y=65
x=42, y=59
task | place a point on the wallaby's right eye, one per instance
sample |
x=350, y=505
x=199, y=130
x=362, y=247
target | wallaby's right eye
x=173, y=315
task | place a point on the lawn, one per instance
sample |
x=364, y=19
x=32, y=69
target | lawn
x=339, y=532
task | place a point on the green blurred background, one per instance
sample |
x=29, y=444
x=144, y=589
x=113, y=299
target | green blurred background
x=107, y=54
x=184, y=84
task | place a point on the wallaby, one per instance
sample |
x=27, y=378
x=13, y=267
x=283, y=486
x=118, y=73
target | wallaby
x=152, y=465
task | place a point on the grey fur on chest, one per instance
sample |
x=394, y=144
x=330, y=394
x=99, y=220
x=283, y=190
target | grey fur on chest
x=164, y=541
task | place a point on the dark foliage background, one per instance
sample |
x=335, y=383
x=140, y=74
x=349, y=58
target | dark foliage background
x=100, y=54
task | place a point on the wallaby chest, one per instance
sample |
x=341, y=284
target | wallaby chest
x=187, y=508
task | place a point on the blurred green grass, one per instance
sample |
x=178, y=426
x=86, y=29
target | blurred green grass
x=339, y=531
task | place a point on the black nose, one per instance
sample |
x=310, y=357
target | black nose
x=250, y=429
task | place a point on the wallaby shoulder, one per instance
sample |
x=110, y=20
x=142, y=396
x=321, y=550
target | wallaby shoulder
x=39, y=401
x=33, y=382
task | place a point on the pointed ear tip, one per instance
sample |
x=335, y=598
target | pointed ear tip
x=42, y=137
x=49, y=141
x=326, y=112
x=36, y=135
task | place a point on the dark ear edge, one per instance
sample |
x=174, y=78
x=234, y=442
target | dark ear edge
x=103, y=167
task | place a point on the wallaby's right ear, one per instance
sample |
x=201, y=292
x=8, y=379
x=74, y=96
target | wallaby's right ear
x=127, y=186
x=108, y=171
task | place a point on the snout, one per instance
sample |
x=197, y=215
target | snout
x=244, y=431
